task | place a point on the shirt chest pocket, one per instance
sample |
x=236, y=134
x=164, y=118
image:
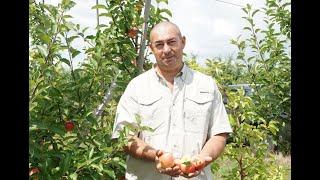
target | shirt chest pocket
x=197, y=111
x=149, y=110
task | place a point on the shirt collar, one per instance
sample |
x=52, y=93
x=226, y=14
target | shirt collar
x=182, y=73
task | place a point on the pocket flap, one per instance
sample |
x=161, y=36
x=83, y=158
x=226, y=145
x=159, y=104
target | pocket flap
x=201, y=97
x=149, y=100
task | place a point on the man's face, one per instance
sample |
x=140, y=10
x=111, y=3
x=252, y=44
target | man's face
x=167, y=46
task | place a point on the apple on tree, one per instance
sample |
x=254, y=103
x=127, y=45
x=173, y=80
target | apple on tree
x=69, y=125
x=132, y=32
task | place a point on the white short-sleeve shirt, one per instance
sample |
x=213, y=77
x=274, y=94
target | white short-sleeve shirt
x=183, y=120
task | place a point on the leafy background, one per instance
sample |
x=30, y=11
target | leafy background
x=60, y=93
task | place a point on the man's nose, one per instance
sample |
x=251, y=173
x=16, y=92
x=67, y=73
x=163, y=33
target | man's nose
x=166, y=48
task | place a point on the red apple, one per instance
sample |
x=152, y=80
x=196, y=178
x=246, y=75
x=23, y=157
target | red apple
x=69, y=125
x=187, y=166
x=132, y=33
x=166, y=160
x=33, y=171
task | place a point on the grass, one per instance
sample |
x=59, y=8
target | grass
x=226, y=165
x=285, y=161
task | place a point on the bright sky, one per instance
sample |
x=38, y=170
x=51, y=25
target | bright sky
x=208, y=25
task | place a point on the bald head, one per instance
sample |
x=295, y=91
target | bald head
x=163, y=27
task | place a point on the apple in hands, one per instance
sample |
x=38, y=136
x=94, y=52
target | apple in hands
x=166, y=164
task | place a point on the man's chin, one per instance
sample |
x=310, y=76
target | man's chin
x=170, y=62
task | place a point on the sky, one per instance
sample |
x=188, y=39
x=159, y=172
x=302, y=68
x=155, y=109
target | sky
x=208, y=25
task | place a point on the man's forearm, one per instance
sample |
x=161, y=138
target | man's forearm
x=140, y=150
x=214, y=146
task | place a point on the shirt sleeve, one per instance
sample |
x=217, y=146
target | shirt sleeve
x=219, y=122
x=127, y=108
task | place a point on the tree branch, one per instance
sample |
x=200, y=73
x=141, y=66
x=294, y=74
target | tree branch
x=144, y=36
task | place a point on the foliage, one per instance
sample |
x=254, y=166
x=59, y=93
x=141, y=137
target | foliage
x=269, y=66
x=261, y=120
x=60, y=92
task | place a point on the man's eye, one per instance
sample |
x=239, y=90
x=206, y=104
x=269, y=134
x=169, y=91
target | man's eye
x=172, y=43
x=159, y=45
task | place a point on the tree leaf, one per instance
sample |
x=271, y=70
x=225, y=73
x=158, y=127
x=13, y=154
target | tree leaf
x=245, y=10
x=87, y=162
x=42, y=50
x=99, y=6
x=159, y=1
x=110, y=173
x=106, y=14
x=67, y=16
x=247, y=28
x=254, y=12
x=167, y=11
x=91, y=153
x=45, y=38
x=66, y=163
x=75, y=53
x=65, y=61
x=90, y=37
x=70, y=39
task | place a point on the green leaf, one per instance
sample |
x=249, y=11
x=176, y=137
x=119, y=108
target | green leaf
x=97, y=142
x=45, y=38
x=70, y=39
x=65, y=61
x=99, y=6
x=167, y=11
x=138, y=118
x=85, y=79
x=110, y=173
x=159, y=1
x=42, y=50
x=81, y=34
x=55, y=92
x=247, y=28
x=74, y=176
x=75, y=53
x=68, y=4
x=69, y=25
x=245, y=10
x=254, y=12
x=146, y=128
x=86, y=163
x=90, y=37
x=57, y=129
x=99, y=168
x=248, y=7
x=66, y=163
x=106, y=14
x=67, y=16
x=91, y=153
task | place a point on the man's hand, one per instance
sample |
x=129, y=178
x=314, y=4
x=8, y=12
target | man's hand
x=171, y=171
x=198, y=162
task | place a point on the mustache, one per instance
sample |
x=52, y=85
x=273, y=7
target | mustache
x=167, y=57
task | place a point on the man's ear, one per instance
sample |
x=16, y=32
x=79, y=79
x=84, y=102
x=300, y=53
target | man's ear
x=151, y=47
x=183, y=41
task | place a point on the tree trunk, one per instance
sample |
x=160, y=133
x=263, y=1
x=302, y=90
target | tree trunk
x=144, y=35
x=97, y=2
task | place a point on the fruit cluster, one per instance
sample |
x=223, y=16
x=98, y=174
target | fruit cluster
x=187, y=165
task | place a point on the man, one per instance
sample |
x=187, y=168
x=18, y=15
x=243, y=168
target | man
x=182, y=106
